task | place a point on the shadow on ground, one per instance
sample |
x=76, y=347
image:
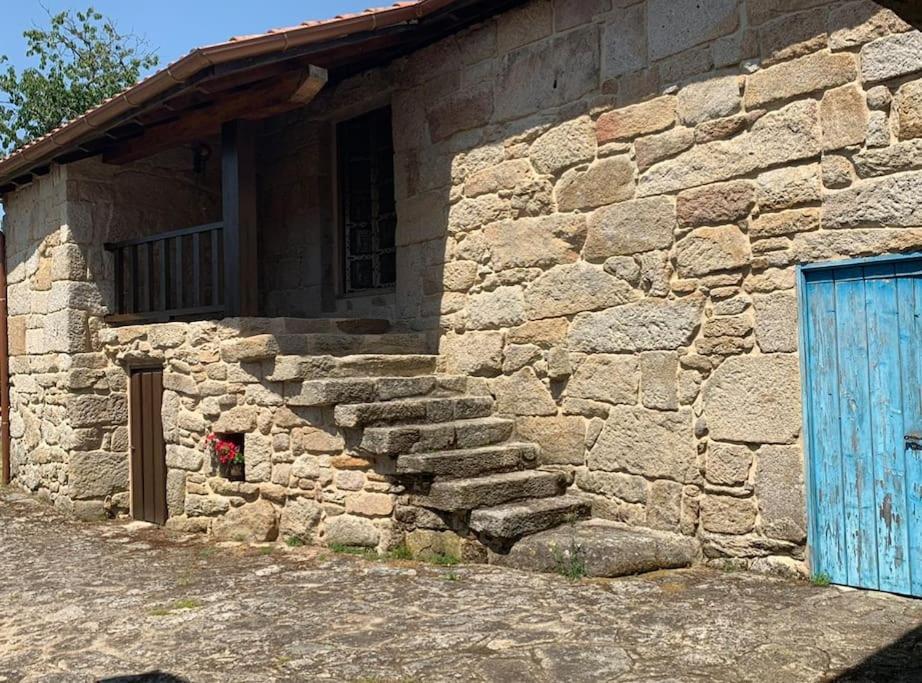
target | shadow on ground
x=899, y=661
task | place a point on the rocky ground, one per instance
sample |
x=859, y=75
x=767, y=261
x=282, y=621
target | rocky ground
x=83, y=602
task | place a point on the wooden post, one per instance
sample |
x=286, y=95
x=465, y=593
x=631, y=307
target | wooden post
x=240, y=214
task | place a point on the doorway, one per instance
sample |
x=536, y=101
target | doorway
x=148, y=453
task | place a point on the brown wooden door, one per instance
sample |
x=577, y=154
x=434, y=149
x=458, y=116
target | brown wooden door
x=148, y=455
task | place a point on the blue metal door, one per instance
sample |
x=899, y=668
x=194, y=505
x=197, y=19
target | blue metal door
x=862, y=341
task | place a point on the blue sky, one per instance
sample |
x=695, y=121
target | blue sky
x=173, y=27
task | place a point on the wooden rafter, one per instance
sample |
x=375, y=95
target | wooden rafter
x=269, y=98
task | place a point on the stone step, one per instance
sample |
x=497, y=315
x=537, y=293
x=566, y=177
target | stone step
x=295, y=368
x=420, y=410
x=352, y=344
x=600, y=548
x=471, y=462
x=253, y=326
x=459, y=434
x=491, y=490
x=521, y=518
x=331, y=392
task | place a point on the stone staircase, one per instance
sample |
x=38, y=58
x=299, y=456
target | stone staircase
x=439, y=436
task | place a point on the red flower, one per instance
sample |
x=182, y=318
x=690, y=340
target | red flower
x=227, y=451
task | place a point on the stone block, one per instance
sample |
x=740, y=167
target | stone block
x=182, y=458
x=349, y=530
x=676, y=25
x=524, y=25
x=562, y=439
x=892, y=201
x=728, y=464
x=652, y=149
x=784, y=223
x=717, y=204
x=891, y=57
x=370, y=504
x=631, y=122
x=607, y=181
x=464, y=110
x=664, y=505
x=575, y=288
x=624, y=42
x=779, y=137
x=815, y=72
x=780, y=487
x=708, y=99
x=856, y=23
x=788, y=187
x=535, y=242
x=548, y=73
x=793, y=35
x=630, y=228
x=502, y=307
x=844, y=117
x=66, y=331
x=494, y=179
x=776, y=322
x=205, y=506
x=543, y=333
x=755, y=399
x=68, y=263
x=648, y=325
x=607, y=378
x=659, y=372
x=523, y=394
x=473, y=353
x=176, y=493
x=727, y=515
x=627, y=487
x=251, y=523
x=564, y=146
x=250, y=349
x=653, y=444
x=257, y=450
x=711, y=250
x=97, y=474
x=908, y=110
x=300, y=519
x=314, y=440
x=237, y=420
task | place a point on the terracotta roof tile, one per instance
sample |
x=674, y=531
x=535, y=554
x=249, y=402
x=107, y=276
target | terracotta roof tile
x=9, y=165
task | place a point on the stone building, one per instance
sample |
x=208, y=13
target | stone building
x=467, y=271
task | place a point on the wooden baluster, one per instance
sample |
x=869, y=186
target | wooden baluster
x=119, y=280
x=178, y=274
x=151, y=291
x=135, y=280
x=196, y=271
x=215, y=267
x=164, y=275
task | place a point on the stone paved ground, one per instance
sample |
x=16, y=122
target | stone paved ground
x=81, y=602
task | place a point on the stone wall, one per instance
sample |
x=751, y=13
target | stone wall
x=69, y=407
x=630, y=186
x=601, y=206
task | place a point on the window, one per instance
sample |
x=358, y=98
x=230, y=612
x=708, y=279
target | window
x=369, y=216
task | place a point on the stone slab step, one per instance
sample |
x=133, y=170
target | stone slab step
x=602, y=549
x=525, y=517
x=252, y=326
x=491, y=490
x=331, y=392
x=295, y=368
x=472, y=461
x=459, y=434
x=421, y=410
x=352, y=344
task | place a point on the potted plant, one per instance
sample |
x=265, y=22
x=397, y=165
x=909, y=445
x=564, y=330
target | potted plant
x=229, y=452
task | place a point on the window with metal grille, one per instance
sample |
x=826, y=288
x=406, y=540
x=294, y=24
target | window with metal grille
x=369, y=216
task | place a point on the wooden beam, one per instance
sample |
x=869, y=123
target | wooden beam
x=266, y=99
x=238, y=156
x=312, y=84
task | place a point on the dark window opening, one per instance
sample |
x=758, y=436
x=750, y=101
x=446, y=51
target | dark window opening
x=369, y=215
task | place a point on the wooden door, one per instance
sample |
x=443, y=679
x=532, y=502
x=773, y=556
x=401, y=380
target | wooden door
x=148, y=454
x=863, y=395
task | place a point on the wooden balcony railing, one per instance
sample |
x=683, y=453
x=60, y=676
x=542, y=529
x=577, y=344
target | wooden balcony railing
x=170, y=276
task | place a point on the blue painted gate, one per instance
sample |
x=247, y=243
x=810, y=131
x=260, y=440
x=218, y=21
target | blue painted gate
x=862, y=336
